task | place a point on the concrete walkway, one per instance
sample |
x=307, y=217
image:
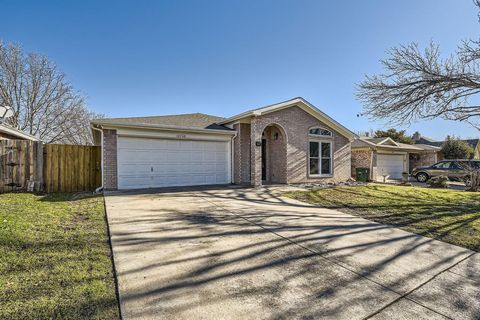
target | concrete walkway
x=232, y=253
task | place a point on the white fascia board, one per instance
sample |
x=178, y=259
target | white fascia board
x=260, y=111
x=304, y=105
x=367, y=142
x=164, y=128
x=171, y=134
x=17, y=133
x=386, y=147
x=389, y=140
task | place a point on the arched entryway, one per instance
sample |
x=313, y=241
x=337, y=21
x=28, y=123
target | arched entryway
x=274, y=155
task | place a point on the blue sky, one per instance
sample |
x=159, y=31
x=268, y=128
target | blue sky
x=136, y=58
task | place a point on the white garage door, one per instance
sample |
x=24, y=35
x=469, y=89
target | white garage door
x=152, y=163
x=389, y=164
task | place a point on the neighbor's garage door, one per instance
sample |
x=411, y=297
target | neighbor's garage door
x=151, y=163
x=389, y=164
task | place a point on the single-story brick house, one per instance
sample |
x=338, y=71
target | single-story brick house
x=8, y=132
x=387, y=158
x=287, y=142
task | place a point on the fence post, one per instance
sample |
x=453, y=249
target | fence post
x=39, y=166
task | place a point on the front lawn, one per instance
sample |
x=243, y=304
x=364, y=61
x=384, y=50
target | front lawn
x=447, y=215
x=55, y=258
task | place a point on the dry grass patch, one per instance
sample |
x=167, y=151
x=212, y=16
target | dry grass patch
x=447, y=215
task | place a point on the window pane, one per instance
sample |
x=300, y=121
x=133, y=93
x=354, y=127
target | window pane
x=321, y=132
x=444, y=165
x=455, y=166
x=326, y=166
x=313, y=149
x=324, y=132
x=325, y=150
x=314, y=166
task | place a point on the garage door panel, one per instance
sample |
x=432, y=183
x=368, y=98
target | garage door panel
x=220, y=156
x=391, y=165
x=135, y=182
x=134, y=169
x=147, y=163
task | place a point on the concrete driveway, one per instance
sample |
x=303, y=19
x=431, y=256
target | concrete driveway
x=232, y=253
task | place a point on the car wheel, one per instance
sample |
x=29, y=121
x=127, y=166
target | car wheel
x=422, y=177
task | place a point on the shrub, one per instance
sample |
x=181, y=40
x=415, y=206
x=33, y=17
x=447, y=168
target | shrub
x=454, y=148
x=438, y=182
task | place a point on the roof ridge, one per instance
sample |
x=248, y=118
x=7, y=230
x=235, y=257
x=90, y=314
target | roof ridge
x=163, y=115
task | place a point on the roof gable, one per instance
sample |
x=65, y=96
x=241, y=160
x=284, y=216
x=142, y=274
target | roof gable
x=389, y=143
x=302, y=104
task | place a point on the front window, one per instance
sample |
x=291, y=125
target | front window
x=320, y=158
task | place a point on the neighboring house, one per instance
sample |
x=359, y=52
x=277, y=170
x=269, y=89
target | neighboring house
x=387, y=158
x=288, y=142
x=474, y=143
x=10, y=133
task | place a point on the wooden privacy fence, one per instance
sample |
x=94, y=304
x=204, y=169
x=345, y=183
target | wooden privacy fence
x=31, y=165
x=20, y=164
x=71, y=168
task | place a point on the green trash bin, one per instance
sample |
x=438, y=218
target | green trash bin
x=363, y=174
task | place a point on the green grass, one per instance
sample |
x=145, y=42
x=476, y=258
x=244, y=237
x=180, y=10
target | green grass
x=55, y=258
x=447, y=215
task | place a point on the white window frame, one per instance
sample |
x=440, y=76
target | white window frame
x=320, y=174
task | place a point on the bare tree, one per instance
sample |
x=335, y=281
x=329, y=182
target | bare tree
x=420, y=84
x=44, y=103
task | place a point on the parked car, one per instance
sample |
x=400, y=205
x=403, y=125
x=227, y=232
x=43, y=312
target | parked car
x=456, y=170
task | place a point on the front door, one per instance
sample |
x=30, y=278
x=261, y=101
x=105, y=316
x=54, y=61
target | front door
x=264, y=159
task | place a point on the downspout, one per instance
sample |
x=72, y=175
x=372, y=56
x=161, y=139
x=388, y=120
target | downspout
x=101, y=160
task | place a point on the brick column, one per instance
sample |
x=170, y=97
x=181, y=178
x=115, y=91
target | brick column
x=110, y=159
x=255, y=154
x=237, y=155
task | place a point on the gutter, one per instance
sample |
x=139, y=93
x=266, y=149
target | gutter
x=165, y=128
x=99, y=189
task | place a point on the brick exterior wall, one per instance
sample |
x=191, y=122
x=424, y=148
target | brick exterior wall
x=237, y=156
x=110, y=159
x=361, y=158
x=295, y=122
x=241, y=149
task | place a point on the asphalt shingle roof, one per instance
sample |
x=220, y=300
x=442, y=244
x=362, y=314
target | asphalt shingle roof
x=189, y=120
x=472, y=142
